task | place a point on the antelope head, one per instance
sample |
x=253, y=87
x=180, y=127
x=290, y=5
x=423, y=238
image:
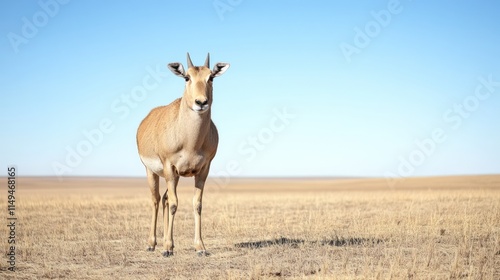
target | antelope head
x=198, y=93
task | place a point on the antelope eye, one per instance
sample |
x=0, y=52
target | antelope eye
x=186, y=78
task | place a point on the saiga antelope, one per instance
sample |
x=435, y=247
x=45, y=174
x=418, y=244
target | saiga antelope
x=180, y=139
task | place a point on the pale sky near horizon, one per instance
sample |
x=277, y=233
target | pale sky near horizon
x=315, y=88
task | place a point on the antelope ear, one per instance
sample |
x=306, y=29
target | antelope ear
x=219, y=69
x=177, y=69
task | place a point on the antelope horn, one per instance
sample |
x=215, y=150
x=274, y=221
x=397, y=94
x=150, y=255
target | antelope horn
x=207, y=61
x=190, y=63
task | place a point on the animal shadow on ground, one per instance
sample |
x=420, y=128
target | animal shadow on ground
x=294, y=243
x=351, y=241
x=282, y=241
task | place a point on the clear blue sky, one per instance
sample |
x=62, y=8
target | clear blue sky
x=315, y=88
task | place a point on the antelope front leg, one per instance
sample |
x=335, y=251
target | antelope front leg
x=170, y=206
x=164, y=204
x=197, y=206
x=153, y=182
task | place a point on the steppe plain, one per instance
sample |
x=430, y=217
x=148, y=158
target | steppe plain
x=306, y=228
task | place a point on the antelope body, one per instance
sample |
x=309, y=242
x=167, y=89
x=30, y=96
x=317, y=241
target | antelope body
x=180, y=139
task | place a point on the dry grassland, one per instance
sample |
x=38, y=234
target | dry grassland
x=96, y=228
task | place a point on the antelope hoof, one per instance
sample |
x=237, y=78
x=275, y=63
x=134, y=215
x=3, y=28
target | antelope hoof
x=150, y=249
x=202, y=253
x=167, y=254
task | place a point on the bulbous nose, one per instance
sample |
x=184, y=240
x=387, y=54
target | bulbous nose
x=201, y=102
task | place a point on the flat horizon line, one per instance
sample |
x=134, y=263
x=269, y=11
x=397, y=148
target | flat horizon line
x=259, y=177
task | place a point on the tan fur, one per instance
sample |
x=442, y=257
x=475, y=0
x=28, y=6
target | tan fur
x=176, y=140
